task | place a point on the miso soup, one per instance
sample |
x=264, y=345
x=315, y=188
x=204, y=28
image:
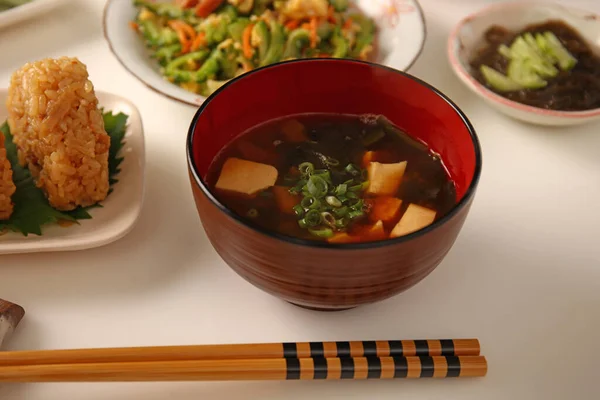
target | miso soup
x=334, y=178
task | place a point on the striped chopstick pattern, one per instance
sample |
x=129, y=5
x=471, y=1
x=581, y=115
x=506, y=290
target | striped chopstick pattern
x=385, y=367
x=388, y=348
x=281, y=369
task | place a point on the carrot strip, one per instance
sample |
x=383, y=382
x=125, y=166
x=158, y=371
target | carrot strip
x=175, y=24
x=206, y=7
x=293, y=24
x=185, y=33
x=246, y=44
x=186, y=3
x=199, y=41
x=348, y=24
x=313, y=32
x=331, y=15
x=134, y=26
x=185, y=42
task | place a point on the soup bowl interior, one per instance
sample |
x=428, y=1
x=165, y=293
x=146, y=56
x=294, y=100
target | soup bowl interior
x=318, y=274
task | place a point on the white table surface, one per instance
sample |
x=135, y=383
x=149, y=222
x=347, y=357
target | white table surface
x=524, y=275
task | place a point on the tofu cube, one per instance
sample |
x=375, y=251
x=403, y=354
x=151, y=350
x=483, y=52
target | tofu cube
x=414, y=219
x=385, y=179
x=343, y=238
x=375, y=232
x=246, y=177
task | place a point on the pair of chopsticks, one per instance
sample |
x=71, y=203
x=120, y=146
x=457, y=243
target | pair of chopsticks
x=457, y=358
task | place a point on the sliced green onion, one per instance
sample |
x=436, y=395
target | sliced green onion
x=299, y=211
x=356, y=188
x=341, y=223
x=323, y=174
x=353, y=170
x=325, y=233
x=332, y=162
x=352, y=195
x=313, y=218
x=310, y=203
x=356, y=214
x=252, y=213
x=333, y=201
x=357, y=205
x=317, y=186
x=328, y=219
x=302, y=223
x=306, y=168
x=341, y=212
x=298, y=188
x=341, y=190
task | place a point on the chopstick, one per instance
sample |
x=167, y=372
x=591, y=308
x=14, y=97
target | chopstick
x=393, y=348
x=247, y=370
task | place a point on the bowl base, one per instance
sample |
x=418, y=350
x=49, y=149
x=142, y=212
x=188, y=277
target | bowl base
x=321, y=309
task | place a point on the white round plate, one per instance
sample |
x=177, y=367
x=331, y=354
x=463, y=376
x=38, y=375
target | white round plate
x=120, y=210
x=467, y=38
x=401, y=38
x=20, y=13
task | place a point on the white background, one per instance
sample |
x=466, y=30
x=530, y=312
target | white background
x=524, y=276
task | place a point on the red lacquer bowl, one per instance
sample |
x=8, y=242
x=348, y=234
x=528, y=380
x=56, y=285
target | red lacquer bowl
x=320, y=275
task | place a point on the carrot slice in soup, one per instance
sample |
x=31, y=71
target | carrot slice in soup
x=384, y=209
x=285, y=200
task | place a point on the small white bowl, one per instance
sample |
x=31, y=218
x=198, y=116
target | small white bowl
x=119, y=212
x=467, y=37
x=401, y=38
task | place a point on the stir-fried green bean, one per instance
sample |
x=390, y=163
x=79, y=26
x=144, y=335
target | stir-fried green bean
x=365, y=36
x=276, y=46
x=236, y=29
x=172, y=32
x=210, y=68
x=261, y=39
x=298, y=40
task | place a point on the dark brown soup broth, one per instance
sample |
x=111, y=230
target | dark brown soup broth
x=346, y=139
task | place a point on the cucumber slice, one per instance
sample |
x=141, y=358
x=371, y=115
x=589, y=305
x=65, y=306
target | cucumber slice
x=542, y=44
x=525, y=48
x=504, y=50
x=566, y=61
x=521, y=72
x=499, y=81
x=530, y=40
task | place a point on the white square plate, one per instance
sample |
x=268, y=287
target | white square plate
x=120, y=210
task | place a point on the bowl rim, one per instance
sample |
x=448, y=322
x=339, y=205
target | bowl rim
x=158, y=90
x=469, y=193
x=479, y=88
